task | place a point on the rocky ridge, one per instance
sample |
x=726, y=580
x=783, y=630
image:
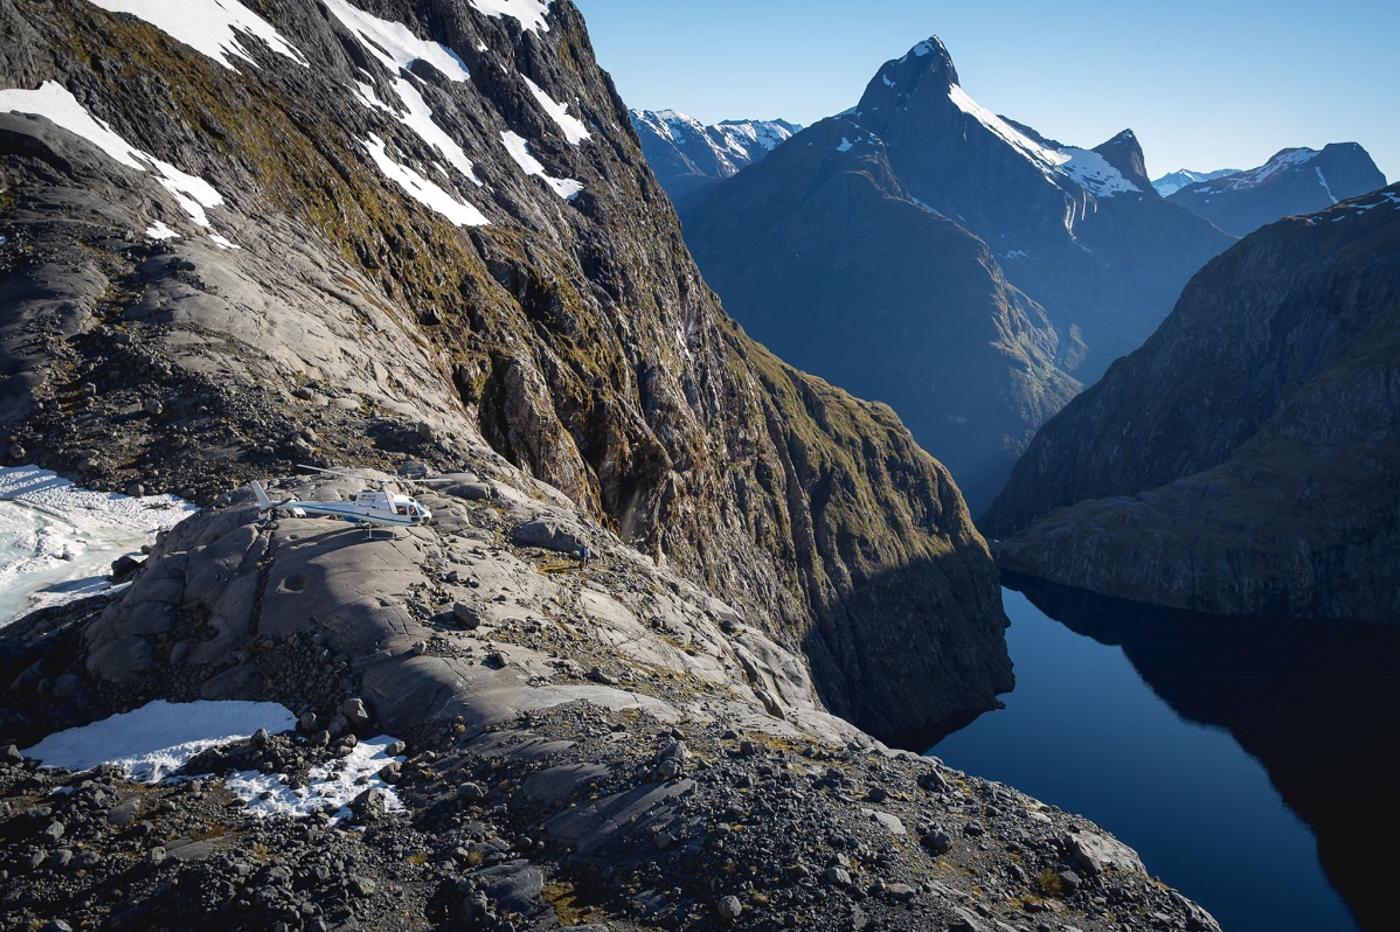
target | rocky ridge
x=356, y=321
x=1243, y=462
x=602, y=745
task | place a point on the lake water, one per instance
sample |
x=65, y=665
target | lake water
x=1250, y=763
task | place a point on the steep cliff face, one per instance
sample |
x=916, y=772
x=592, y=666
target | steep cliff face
x=334, y=232
x=1244, y=461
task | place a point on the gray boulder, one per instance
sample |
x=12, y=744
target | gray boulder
x=549, y=534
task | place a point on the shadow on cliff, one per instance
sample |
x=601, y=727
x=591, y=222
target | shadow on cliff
x=913, y=654
x=1318, y=704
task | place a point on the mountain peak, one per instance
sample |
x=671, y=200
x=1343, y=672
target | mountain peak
x=899, y=77
x=1124, y=153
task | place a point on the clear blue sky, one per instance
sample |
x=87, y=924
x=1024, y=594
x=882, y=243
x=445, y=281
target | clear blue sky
x=1204, y=84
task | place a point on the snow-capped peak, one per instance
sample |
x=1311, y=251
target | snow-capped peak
x=1169, y=184
x=731, y=144
x=1281, y=161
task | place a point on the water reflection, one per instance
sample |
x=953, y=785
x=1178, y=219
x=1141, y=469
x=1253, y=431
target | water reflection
x=1315, y=703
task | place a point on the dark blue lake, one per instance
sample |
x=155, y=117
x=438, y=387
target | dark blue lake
x=1250, y=763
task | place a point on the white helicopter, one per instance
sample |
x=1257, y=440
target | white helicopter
x=371, y=507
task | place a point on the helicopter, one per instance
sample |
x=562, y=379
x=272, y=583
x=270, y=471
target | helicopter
x=370, y=507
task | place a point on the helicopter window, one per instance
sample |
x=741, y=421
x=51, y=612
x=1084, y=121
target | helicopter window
x=400, y=510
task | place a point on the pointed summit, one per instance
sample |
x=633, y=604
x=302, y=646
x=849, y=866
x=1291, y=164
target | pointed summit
x=899, y=77
x=1124, y=153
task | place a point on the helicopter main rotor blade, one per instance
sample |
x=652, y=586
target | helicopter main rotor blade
x=337, y=472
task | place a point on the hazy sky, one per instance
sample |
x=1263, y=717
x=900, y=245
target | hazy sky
x=1204, y=84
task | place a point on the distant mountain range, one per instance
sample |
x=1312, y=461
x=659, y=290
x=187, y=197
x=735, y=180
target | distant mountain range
x=1169, y=184
x=923, y=251
x=689, y=157
x=1295, y=181
x=1246, y=460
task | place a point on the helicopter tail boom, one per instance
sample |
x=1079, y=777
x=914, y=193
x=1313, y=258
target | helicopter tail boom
x=261, y=495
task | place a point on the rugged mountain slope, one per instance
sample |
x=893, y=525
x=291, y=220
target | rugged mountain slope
x=966, y=357
x=1034, y=264
x=274, y=246
x=427, y=238
x=689, y=157
x=1246, y=459
x=1295, y=181
x=1172, y=182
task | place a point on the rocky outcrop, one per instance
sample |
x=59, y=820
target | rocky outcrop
x=1295, y=181
x=689, y=157
x=604, y=743
x=428, y=224
x=922, y=251
x=1244, y=461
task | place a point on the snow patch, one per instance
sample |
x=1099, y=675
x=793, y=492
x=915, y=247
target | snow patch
x=845, y=145
x=395, y=44
x=215, y=28
x=1083, y=167
x=58, y=541
x=330, y=786
x=1288, y=158
x=1092, y=171
x=1322, y=180
x=395, y=47
x=154, y=741
x=572, y=127
x=53, y=101
x=1045, y=158
x=223, y=242
x=519, y=150
x=529, y=13
x=159, y=230
x=422, y=190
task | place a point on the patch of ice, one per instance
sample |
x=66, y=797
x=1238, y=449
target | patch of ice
x=223, y=242
x=54, y=102
x=886, y=79
x=333, y=785
x=216, y=28
x=154, y=741
x=57, y=541
x=845, y=145
x=422, y=190
x=529, y=13
x=519, y=150
x=159, y=230
x=572, y=127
